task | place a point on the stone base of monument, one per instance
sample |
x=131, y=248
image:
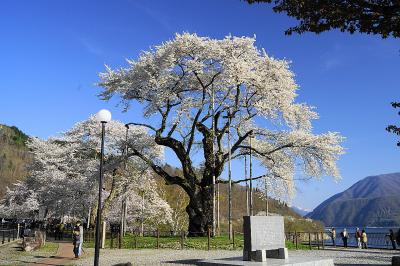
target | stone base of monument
x=262, y=255
x=292, y=261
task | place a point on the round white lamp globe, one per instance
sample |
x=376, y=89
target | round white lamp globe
x=103, y=116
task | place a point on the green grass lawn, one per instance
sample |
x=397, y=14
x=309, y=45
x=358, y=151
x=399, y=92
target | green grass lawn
x=13, y=254
x=50, y=248
x=174, y=242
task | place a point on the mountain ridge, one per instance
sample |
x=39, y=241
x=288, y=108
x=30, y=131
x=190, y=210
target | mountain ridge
x=372, y=201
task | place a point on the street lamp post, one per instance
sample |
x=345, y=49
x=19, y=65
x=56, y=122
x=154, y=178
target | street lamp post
x=103, y=116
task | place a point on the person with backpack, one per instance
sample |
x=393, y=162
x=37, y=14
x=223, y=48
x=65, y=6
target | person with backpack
x=344, y=236
x=364, y=239
x=358, y=236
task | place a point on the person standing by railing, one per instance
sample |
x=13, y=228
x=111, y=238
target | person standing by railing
x=344, y=236
x=398, y=237
x=358, y=236
x=364, y=239
x=392, y=238
x=333, y=236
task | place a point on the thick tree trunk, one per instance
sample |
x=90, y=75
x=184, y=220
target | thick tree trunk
x=200, y=212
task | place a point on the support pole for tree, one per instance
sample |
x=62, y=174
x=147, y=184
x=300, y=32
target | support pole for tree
x=266, y=197
x=88, y=218
x=247, y=186
x=251, y=178
x=103, y=238
x=208, y=238
x=230, y=177
x=124, y=204
x=213, y=163
x=218, y=224
x=142, y=215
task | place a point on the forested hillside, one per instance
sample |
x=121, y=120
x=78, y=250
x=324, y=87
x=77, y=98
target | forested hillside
x=14, y=156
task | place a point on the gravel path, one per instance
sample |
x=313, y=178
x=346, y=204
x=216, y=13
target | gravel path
x=189, y=257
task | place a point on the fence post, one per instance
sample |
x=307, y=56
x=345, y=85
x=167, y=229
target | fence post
x=322, y=238
x=111, y=239
x=295, y=235
x=13, y=234
x=158, y=238
x=309, y=239
x=318, y=240
x=208, y=238
x=135, y=238
x=233, y=239
x=3, y=237
x=9, y=235
x=182, y=239
x=119, y=239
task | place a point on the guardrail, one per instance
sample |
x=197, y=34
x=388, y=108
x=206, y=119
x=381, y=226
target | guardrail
x=182, y=239
x=320, y=240
x=8, y=235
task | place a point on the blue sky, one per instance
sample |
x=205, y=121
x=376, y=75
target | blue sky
x=52, y=51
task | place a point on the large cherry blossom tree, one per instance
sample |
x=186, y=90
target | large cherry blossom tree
x=183, y=82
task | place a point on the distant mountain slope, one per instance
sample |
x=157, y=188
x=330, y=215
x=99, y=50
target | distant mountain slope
x=14, y=156
x=372, y=201
x=300, y=211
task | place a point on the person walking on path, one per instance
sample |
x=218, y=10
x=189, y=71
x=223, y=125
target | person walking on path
x=358, y=236
x=76, y=240
x=364, y=239
x=392, y=238
x=333, y=236
x=79, y=225
x=344, y=236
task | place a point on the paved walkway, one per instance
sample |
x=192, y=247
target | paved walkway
x=64, y=256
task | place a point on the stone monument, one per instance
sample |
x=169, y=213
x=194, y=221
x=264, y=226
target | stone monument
x=264, y=244
x=264, y=237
